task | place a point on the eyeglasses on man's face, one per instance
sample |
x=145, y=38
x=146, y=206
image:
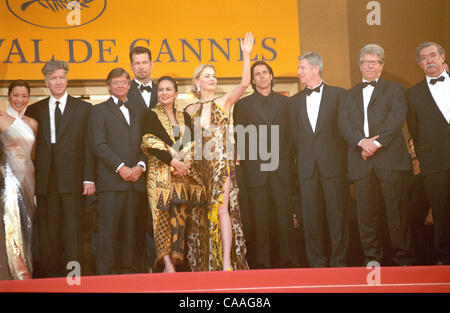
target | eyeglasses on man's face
x=119, y=82
x=370, y=62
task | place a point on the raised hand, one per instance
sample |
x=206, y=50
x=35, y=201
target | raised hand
x=247, y=43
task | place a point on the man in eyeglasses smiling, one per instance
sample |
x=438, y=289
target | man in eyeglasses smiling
x=115, y=139
x=371, y=118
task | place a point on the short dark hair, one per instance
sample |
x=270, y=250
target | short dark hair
x=252, y=75
x=140, y=50
x=117, y=72
x=169, y=78
x=18, y=83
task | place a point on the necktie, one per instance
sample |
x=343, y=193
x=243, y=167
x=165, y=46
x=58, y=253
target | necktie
x=433, y=81
x=58, y=116
x=142, y=88
x=372, y=83
x=309, y=91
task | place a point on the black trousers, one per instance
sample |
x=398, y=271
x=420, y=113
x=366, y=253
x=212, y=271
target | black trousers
x=437, y=188
x=271, y=208
x=116, y=242
x=59, y=217
x=393, y=190
x=324, y=218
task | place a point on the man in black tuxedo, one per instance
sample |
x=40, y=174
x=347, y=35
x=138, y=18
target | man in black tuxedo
x=429, y=125
x=142, y=91
x=321, y=159
x=64, y=172
x=114, y=135
x=267, y=177
x=371, y=118
x=143, y=96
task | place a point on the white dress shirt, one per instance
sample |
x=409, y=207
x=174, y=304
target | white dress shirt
x=367, y=94
x=441, y=94
x=145, y=94
x=126, y=114
x=52, y=107
x=313, y=106
x=124, y=109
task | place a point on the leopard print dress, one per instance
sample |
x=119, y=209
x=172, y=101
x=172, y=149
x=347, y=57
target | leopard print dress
x=216, y=164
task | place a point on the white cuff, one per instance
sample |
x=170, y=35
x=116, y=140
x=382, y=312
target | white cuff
x=142, y=164
x=119, y=167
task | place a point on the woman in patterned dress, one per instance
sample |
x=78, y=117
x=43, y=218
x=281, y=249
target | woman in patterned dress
x=216, y=240
x=172, y=187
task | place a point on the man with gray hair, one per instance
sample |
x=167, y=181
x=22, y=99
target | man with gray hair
x=371, y=118
x=64, y=172
x=429, y=125
x=321, y=161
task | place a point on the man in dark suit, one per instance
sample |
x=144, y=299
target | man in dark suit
x=142, y=91
x=265, y=113
x=143, y=96
x=371, y=118
x=64, y=171
x=114, y=135
x=321, y=159
x=429, y=125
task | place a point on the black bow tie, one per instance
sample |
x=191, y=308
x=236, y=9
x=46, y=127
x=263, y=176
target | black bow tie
x=142, y=88
x=120, y=103
x=435, y=80
x=309, y=91
x=372, y=83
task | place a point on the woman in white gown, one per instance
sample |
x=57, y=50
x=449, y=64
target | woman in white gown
x=17, y=135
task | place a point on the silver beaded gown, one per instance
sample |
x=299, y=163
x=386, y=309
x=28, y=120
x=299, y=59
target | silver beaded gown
x=16, y=200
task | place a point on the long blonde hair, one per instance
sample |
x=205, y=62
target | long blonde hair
x=197, y=72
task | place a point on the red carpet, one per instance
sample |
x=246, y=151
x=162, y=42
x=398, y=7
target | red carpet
x=427, y=279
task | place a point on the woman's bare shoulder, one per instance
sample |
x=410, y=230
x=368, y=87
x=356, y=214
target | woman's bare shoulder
x=31, y=122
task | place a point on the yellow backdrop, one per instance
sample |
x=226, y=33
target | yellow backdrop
x=95, y=35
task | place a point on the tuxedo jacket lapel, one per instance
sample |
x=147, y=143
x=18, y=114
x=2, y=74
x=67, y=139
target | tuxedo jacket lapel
x=303, y=113
x=428, y=98
x=379, y=89
x=357, y=95
x=322, y=109
x=358, y=101
x=117, y=112
x=45, y=121
x=66, y=117
x=136, y=94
